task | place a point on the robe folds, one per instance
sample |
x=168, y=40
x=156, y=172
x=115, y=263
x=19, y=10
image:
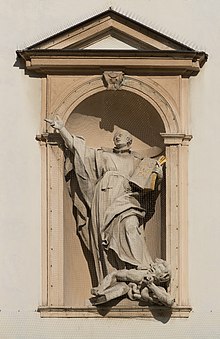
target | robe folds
x=109, y=212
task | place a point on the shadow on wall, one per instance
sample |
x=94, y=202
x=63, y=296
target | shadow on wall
x=109, y=110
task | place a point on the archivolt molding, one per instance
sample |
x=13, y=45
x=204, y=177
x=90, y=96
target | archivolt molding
x=159, y=98
x=77, y=95
x=150, y=91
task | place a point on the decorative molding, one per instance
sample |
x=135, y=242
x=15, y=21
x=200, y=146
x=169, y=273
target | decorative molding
x=113, y=80
x=182, y=63
x=155, y=312
x=111, y=23
x=144, y=87
x=155, y=54
x=176, y=139
x=49, y=138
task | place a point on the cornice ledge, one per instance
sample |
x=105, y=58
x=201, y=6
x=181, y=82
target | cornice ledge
x=49, y=138
x=185, y=63
x=176, y=138
x=156, y=312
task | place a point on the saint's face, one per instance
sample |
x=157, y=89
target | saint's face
x=121, y=139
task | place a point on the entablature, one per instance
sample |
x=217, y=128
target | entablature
x=53, y=61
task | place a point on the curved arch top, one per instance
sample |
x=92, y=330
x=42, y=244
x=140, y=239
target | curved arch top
x=150, y=91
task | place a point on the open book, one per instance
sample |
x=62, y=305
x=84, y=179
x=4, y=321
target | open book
x=145, y=175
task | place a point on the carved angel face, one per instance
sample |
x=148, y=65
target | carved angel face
x=122, y=138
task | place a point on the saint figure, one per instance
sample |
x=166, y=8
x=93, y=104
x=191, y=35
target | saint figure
x=110, y=209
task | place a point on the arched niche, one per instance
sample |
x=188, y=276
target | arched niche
x=98, y=116
x=96, y=119
x=155, y=111
x=146, y=88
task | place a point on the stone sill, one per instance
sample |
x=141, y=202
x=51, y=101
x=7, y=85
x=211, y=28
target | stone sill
x=156, y=312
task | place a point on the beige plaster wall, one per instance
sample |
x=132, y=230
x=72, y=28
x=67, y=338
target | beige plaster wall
x=22, y=23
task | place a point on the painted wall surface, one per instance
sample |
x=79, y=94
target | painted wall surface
x=22, y=23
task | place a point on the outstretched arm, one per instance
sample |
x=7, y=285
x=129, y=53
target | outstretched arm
x=58, y=124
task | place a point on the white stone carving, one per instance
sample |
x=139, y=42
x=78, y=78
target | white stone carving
x=111, y=204
x=142, y=285
x=113, y=80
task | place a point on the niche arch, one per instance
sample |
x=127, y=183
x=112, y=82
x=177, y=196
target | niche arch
x=63, y=96
x=152, y=92
x=96, y=118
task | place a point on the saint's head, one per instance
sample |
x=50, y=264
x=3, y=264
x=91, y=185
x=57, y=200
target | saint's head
x=122, y=139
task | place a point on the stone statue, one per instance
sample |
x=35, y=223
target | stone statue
x=137, y=284
x=111, y=209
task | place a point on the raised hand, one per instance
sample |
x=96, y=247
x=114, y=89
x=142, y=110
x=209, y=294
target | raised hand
x=56, y=123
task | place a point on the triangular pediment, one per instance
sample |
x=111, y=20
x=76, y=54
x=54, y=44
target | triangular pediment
x=111, y=40
x=110, y=30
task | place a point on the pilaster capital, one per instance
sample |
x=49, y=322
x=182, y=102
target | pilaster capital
x=54, y=139
x=176, y=138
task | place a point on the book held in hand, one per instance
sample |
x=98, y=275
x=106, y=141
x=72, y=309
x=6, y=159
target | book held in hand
x=145, y=175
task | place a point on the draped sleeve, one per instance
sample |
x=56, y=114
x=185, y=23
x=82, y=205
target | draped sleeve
x=82, y=170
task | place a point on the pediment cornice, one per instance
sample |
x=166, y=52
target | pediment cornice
x=152, y=52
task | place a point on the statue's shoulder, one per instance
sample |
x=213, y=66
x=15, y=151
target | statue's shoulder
x=111, y=150
x=137, y=155
x=105, y=149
